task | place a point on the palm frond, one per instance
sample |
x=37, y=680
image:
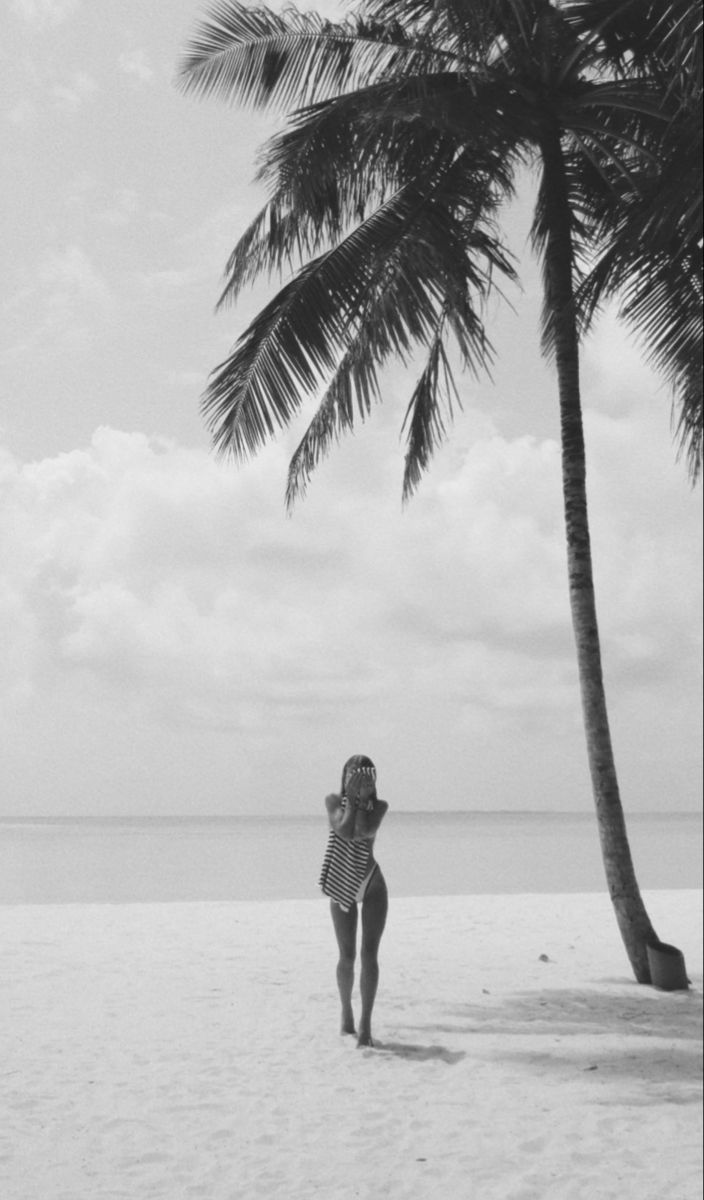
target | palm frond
x=338, y=159
x=477, y=31
x=662, y=302
x=261, y=57
x=688, y=426
x=298, y=339
x=282, y=355
x=269, y=244
x=429, y=411
x=388, y=327
x=354, y=383
x=634, y=35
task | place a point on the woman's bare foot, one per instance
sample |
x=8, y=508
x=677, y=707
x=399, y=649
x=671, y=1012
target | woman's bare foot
x=347, y=1026
x=364, y=1039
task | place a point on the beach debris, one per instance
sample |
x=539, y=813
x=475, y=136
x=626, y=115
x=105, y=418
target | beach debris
x=544, y=958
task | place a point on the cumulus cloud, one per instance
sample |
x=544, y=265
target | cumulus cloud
x=72, y=274
x=616, y=375
x=137, y=65
x=143, y=577
x=154, y=580
x=167, y=574
x=62, y=297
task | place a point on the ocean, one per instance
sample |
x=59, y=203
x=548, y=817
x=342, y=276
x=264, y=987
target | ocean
x=126, y=860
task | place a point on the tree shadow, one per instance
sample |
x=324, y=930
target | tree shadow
x=637, y=1034
x=672, y=1075
x=634, y=1011
x=418, y=1053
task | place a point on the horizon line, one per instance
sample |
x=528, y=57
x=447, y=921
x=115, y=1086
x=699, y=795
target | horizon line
x=411, y=812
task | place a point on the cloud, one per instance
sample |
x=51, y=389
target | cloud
x=616, y=375
x=136, y=64
x=59, y=301
x=73, y=271
x=74, y=93
x=149, y=586
x=72, y=290
x=155, y=583
x=171, y=577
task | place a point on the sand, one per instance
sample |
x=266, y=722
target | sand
x=192, y=1050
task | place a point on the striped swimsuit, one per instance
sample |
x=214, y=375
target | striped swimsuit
x=346, y=869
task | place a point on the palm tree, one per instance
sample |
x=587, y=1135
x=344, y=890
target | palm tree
x=410, y=121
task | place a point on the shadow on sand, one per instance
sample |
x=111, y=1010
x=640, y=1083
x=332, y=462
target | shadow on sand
x=638, y=1011
x=420, y=1053
x=642, y=1035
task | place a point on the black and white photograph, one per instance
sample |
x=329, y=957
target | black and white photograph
x=351, y=600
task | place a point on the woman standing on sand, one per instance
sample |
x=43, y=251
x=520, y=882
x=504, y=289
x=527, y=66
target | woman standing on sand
x=351, y=875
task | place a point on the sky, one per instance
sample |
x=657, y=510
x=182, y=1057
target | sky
x=171, y=641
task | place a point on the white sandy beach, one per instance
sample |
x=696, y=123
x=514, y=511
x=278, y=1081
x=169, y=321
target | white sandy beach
x=191, y=1050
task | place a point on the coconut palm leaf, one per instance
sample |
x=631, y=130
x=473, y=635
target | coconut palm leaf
x=265, y=58
x=331, y=166
x=385, y=330
x=355, y=384
x=430, y=409
x=304, y=331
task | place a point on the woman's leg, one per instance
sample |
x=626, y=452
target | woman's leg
x=345, y=924
x=374, y=909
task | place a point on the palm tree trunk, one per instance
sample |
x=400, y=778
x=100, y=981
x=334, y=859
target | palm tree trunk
x=633, y=921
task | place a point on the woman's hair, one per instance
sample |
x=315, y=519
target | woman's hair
x=358, y=762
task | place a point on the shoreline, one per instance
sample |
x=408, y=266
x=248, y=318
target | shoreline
x=315, y=900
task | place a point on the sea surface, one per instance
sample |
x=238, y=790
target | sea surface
x=121, y=860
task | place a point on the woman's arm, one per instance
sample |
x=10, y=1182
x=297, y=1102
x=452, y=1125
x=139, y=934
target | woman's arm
x=341, y=818
x=352, y=823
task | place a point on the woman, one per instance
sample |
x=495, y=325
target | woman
x=350, y=876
